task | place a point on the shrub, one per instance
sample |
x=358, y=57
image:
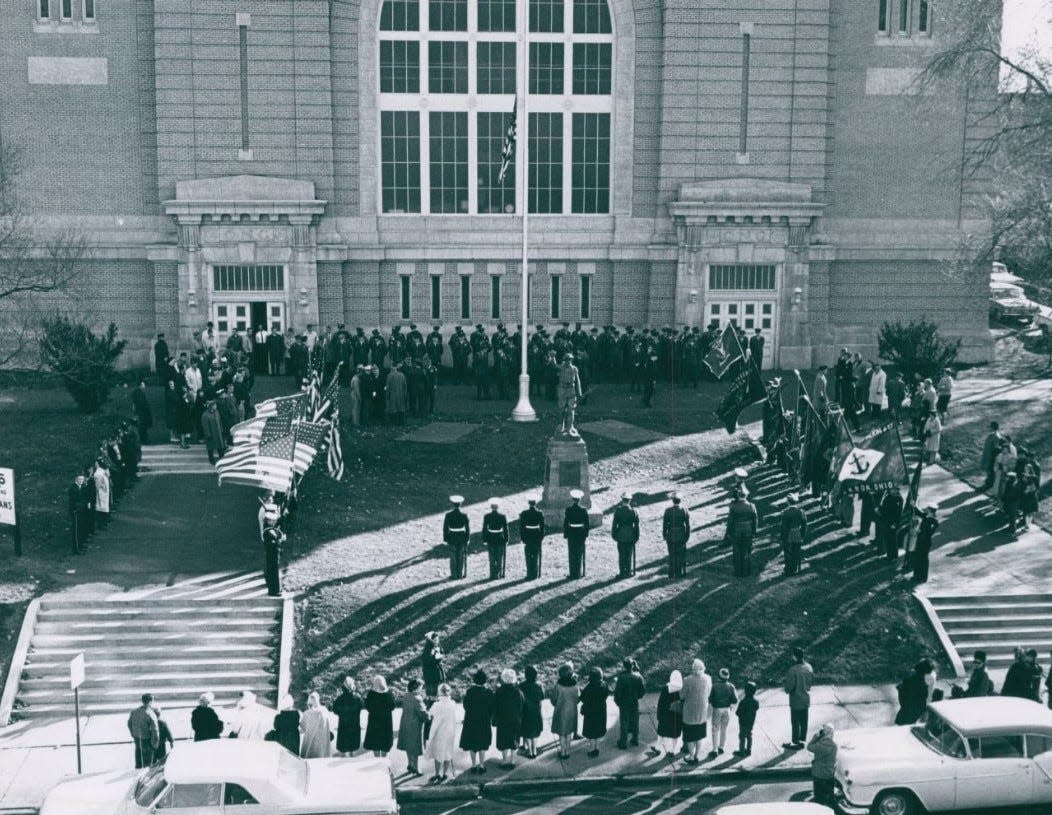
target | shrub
x=917, y=348
x=84, y=361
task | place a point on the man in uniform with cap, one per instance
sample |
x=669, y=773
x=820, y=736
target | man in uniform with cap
x=495, y=536
x=575, y=530
x=569, y=391
x=433, y=346
x=740, y=475
x=625, y=532
x=675, y=529
x=531, y=531
x=741, y=528
x=273, y=538
x=793, y=533
x=456, y=530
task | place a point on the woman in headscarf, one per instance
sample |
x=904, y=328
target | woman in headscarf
x=442, y=744
x=431, y=663
x=564, y=697
x=695, y=710
x=379, y=729
x=348, y=709
x=287, y=726
x=507, y=716
x=411, y=726
x=669, y=716
x=204, y=721
x=477, y=735
x=532, y=720
x=593, y=709
x=316, y=729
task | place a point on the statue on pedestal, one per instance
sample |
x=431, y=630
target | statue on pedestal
x=569, y=391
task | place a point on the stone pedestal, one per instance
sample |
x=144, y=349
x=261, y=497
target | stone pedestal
x=565, y=469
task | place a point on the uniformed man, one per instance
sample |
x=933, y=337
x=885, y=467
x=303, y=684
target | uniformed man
x=648, y=375
x=569, y=391
x=675, y=529
x=531, y=531
x=273, y=538
x=741, y=529
x=740, y=475
x=495, y=536
x=414, y=342
x=456, y=530
x=81, y=507
x=625, y=532
x=434, y=346
x=793, y=534
x=575, y=530
x=460, y=349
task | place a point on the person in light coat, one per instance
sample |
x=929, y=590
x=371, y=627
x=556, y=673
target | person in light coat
x=442, y=741
x=316, y=729
x=932, y=438
x=878, y=395
x=697, y=686
x=249, y=719
x=101, y=476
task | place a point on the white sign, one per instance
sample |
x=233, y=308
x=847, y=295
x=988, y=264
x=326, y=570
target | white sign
x=7, y=496
x=859, y=464
x=76, y=671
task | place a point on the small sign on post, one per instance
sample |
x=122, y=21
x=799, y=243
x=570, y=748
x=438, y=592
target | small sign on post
x=76, y=679
x=8, y=514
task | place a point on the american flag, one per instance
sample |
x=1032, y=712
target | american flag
x=293, y=407
x=310, y=436
x=313, y=397
x=248, y=432
x=507, y=152
x=268, y=465
x=329, y=398
x=335, y=461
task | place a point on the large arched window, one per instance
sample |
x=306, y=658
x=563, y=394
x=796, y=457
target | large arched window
x=447, y=85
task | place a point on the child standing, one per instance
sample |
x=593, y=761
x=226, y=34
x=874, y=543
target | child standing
x=746, y=713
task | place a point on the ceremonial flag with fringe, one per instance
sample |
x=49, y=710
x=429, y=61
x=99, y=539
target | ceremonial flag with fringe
x=746, y=389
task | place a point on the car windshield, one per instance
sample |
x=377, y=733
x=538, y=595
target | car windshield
x=1007, y=290
x=292, y=772
x=149, y=785
x=939, y=735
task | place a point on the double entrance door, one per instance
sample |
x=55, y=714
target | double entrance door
x=247, y=316
x=750, y=315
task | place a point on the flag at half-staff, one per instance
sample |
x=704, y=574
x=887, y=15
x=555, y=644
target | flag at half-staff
x=507, y=150
x=268, y=465
x=726, y=351
x=746, y=389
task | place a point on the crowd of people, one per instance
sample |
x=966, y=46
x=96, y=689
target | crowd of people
x=93, y=496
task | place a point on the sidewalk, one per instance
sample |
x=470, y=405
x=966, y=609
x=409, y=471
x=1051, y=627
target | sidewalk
x=35, y=756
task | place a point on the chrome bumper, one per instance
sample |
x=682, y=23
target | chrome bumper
x=844, y=806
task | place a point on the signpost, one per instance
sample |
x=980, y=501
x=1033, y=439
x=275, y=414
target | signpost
x=8, y=515
x=76, y=679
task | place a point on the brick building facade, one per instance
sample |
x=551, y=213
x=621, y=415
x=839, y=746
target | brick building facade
x=336, y=161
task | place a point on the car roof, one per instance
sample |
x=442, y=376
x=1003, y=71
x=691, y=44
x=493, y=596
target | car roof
x=990, y=715
x=780, y=808
x=215, y=760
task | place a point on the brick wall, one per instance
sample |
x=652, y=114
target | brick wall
x=646, y=154
x=345, y=127
x=166, y=298
x=330, y=294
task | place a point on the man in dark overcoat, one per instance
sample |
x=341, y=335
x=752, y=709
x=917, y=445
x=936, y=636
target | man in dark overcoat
x=575, y=530
x=531, y=531
x=495, y=536
x=675, y=529
x=741, y=529
x=625, y=531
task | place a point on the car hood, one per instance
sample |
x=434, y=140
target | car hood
x=92, y=794
x=358, y=785
x=882, y=752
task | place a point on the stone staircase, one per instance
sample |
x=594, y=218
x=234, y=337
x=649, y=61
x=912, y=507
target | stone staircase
x=171, y=459
x=996, y=624
x=175, y=647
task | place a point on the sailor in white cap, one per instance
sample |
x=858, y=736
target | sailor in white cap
x=456, y=531
x=531, y=531
x=675, y=529
x=740, y=474
x=625, y=531
x=495, y=536
x=273, y=538
x=575, y=530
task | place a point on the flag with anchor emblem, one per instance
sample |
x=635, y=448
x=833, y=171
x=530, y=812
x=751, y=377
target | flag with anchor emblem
x=860, y=464
x=875, y=463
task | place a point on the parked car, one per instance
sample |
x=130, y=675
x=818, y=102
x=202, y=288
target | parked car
x=980, y=753
x=1008, y=301
x=776, y=808
x=216, y=776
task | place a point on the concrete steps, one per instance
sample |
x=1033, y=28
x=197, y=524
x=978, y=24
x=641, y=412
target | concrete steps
x=171, y=459
x=995, y=624
x=173, y=647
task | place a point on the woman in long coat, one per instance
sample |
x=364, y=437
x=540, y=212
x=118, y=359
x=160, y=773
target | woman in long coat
x=928, y=525
x=101, y=477
x=477, y=735
x=316, y=730
x=356, y=399
x=932, y=438
x=411, y=726
x=669, y=716
x=379, y=730
x=431, y=663
x=348, y=709
x=287, y=726
x=507, y=716
x=564, y=697
x=593, y=709
x=532, y=720
x=442, y=743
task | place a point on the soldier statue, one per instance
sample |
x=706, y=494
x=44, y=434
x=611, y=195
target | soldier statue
x=569, y=391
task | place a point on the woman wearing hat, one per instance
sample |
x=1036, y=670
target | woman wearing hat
x=928, y=524
x=669, y=718
x=564, y=697
x=204, y=720
x=348, y=709
x=287, y=726
x=431, y=663
x=411, y=725
x=442, y=743
x=379, y=729
x=593, y=709
x=477, y=734
x=508, y=704
x=316, y=729
x=697, y=687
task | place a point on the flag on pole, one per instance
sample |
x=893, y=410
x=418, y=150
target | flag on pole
x=329, y=398
x=248, y=432
x=507, y=151
x=726, y=351
x=746, y=389
x=875, y=464
x=291, y=406
x=310, y=436
x=842, y=445
x=335, y=457
x=268, y=465
x=313, y=397
x=914, y=490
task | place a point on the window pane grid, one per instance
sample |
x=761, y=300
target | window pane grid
x=591, y=17
x=400, y=160
x=592, y=67
x=248, y=278
x=591, y=163
x=447, y=15
x=546, y=16
x=447, y=67
x=546, y=163
x=496, y=67
x=449, y=162
x=741, y=277
x=399, y=66
x=496, y=15
x=400, y=15
x=493, y=196
x=546, y=68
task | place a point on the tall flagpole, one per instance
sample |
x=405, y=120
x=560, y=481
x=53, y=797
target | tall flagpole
x=523, y=411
